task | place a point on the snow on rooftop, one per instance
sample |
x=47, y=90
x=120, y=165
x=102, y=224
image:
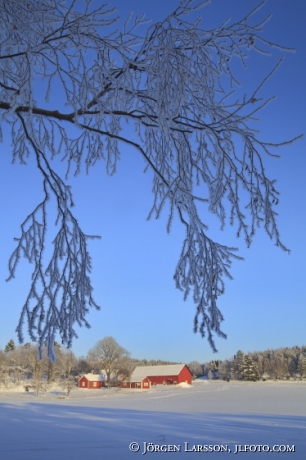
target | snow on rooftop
x=146, y=371
x=92, y=377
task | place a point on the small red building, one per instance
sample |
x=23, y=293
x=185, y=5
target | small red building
x=146, y=376
x=91, y=381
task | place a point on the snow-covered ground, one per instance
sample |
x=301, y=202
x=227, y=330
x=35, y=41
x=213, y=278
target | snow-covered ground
x=102, y=423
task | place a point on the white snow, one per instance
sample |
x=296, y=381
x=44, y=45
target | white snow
x=102, y=423
x=146, y=371
x=93, y=377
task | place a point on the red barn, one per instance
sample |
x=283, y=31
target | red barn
x=91, y=381
x=146, y=376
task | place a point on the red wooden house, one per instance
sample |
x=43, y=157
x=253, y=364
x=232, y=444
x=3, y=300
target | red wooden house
x=91, y=381
x=146, y=376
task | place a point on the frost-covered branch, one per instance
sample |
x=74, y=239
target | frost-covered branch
x=66, y=275
x=175, y=86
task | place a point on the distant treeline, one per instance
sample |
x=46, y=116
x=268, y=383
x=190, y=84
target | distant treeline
x=282, y=363
x=22, y=363
x=151, y=362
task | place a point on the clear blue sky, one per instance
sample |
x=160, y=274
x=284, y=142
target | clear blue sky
x=134, y=263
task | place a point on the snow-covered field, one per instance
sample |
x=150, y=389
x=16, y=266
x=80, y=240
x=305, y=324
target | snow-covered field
x=102, y=423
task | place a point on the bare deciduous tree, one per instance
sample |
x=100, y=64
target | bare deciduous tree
x=54, y=368
x=3, y=359
x=68, y=362
x=225, y=370
x=167, y=84
x=196, y=368
x=108, y=355
x=38, y=368
x=16, y=364
x=68, y=384
x=82, y=366
x=124, y=368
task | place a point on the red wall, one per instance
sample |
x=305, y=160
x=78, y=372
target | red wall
x=184, y=375
x=146, y=384
x=160, y=380
x=89, y=384
x=134, y=384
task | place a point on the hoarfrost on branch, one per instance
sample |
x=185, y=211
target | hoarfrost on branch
x=169, y=85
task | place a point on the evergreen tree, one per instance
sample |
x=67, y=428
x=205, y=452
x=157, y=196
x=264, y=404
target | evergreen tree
x=238, y=364
x=249, y=370
x=281, y=363
x=10, y=346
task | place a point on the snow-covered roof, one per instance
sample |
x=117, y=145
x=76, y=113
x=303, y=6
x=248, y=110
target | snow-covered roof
x=92, y=377
x=142, y=372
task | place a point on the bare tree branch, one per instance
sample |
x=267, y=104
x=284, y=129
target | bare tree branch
x=167, y=84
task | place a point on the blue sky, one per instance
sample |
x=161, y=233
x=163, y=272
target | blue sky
x=134, y=262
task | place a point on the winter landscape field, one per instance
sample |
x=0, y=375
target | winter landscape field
x=179, y=422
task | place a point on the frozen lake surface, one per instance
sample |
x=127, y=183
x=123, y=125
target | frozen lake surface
x=103, y=423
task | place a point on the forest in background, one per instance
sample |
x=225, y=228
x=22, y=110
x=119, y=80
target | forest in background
x=279, y=364
x=20, y=365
